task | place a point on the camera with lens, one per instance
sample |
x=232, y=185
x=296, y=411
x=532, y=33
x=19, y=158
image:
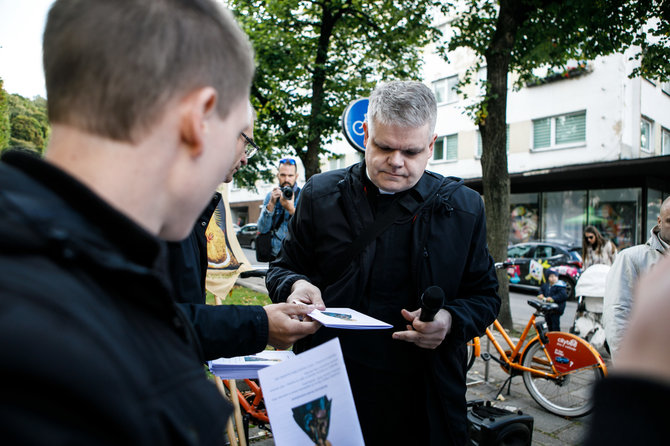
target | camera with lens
x=287, y=191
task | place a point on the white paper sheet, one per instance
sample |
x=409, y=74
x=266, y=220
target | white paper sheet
x=310, y=395
x=348, y=319
x=247, y=366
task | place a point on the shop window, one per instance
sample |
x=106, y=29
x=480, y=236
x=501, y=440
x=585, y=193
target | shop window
x=559, y=131
x=564, y=215
x=614, y=213
x=524, y=221
x=446, y=148
x=646, y=136
x=665, y=142
x=445, y=89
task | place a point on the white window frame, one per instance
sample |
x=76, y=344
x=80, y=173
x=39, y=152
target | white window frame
x=665, y=87
x=445, y=152
x=553, y=145
x=665, y=141
x=649, y=147
x=449, y=84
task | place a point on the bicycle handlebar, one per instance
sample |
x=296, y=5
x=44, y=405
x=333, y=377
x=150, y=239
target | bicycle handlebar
x=261, y=272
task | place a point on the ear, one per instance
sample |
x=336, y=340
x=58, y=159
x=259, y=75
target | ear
x=365, y=134
x=431, y=147
x=198, y=108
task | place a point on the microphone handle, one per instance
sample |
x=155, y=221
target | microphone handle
x=427, y=314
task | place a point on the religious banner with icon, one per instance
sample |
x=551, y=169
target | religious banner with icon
x=225, y=258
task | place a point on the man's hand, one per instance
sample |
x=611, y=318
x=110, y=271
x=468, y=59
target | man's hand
x=303, y=292
x=289, y=205
x=288, y=323
x=425, y=334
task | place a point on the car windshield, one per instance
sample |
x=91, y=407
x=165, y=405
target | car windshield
x=519, y=251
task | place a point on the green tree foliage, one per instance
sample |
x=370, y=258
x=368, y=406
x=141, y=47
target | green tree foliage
x=314, y=57
x=5, y=128
x=28, y=122
x=522, y=35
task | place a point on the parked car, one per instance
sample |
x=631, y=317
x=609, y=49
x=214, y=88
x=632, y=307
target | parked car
x=247, y=235
x=526, y=263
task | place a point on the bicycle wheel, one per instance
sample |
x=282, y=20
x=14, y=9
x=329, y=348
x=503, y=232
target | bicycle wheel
x=569, y=395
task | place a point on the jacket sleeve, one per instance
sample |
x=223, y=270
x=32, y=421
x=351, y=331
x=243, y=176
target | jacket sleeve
x=560, y=294
x=478, y=303
x=618, y=297
x=228, y=330
x=296, y=253
x=265, y=219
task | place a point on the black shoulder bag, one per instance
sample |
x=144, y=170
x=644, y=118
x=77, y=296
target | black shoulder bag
x=264, y=241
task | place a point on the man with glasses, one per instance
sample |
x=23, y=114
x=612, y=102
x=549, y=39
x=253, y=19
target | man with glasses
x=147, y=99
x=279, y=205
x=228, y=330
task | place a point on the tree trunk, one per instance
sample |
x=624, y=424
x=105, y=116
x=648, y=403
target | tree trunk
x=493, y=128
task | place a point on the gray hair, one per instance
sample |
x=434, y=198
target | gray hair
x=112, y=67
x=408, y=104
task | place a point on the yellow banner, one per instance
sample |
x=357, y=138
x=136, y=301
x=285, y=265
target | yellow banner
x=225, y=258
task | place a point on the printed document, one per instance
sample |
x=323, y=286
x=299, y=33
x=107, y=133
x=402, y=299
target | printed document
x=347, y=318
x=309, y=399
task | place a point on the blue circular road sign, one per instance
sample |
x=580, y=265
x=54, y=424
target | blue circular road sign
x=352, y=123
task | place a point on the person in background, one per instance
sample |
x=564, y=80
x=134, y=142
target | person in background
x=624, y=273
x=554, y=290
x=436, y=238
x=229, y=330
x=628, y=403
x=595, y=249
x=280, y=204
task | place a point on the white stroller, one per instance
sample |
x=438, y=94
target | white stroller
x=590, y=292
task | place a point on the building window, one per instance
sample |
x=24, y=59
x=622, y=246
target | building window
x=445, y=89
x=646, y=136
x=336, y=162
x=665, y=87
x=665, y=142
x=480, y=145
x=446, y=148
x=559, y=131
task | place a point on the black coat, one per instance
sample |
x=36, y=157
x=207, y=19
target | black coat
x=223, y=330
x=93, y=349
x=448, y=250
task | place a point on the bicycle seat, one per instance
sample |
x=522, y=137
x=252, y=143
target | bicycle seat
x=543, y=307
x=261, y=272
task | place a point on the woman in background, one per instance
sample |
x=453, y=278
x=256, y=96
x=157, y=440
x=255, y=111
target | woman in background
x=595, y=249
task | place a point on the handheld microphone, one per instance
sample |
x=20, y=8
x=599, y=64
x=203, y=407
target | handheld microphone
x=431, y=302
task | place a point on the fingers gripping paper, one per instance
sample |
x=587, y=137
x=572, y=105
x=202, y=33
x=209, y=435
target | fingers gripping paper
x=225, y=258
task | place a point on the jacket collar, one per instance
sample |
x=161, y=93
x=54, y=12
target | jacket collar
x=60, y=207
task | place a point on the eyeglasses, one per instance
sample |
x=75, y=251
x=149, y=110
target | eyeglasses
x=290, y=161
x=251, y=148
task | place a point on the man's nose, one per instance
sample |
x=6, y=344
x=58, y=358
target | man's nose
x=396, y=159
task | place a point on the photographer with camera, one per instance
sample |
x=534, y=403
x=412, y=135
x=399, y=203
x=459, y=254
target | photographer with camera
x=278, y=208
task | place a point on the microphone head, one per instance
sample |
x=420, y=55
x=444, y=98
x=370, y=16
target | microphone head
x=432, y=298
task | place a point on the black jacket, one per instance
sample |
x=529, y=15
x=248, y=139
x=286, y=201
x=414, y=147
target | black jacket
x=93, y=349
x=449, y=250
x=223, y=330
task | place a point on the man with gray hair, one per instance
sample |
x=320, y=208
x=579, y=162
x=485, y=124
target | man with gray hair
x=375, y=236
x=147, y=100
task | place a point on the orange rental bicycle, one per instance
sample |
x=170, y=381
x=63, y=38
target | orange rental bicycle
x=559, y=369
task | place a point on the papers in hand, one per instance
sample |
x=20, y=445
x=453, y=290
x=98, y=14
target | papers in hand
x=309, y=399
x=241, y=367
x=347, y=318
